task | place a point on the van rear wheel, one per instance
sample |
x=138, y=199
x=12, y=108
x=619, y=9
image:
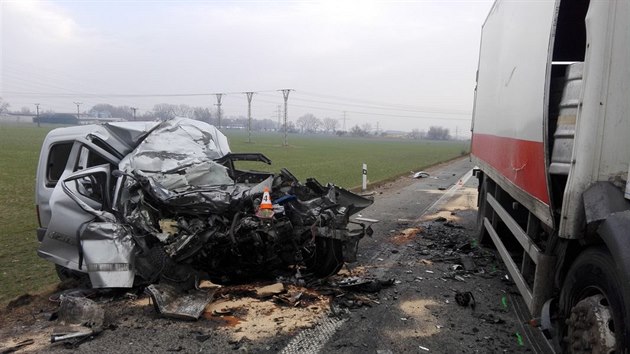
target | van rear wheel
x=73, y=278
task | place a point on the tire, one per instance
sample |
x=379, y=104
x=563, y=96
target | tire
x=326, y=258
x=592, y=306
x=72, y=278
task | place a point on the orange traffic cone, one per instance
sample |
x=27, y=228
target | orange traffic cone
x=265, y=209
x=266, y=200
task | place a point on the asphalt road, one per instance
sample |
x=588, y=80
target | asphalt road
x=425, y=227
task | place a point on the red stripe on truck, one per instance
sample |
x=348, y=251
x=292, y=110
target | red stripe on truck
x=520, y=161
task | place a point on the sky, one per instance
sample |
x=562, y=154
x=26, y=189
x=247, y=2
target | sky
x=401, y=65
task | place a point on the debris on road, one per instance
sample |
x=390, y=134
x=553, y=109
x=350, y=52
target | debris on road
x=421, y=174
x=465, y=299
x=80, y=311
x=175, y=303
x=270, y=290
x=17, y=346
x=81, y=319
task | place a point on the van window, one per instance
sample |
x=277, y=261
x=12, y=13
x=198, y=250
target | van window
x=88, y=158
x=57, y=159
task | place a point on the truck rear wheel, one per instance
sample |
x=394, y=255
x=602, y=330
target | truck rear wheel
x=592, y=302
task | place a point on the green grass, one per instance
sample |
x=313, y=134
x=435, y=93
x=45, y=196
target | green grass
x=21, y=270
x=329, y=159
x=339, y=159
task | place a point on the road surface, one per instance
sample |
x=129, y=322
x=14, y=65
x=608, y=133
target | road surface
x=423, y=244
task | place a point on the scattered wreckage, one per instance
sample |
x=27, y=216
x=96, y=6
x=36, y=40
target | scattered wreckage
x=144, y=203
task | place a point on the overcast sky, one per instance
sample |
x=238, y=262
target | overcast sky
x=403, y=64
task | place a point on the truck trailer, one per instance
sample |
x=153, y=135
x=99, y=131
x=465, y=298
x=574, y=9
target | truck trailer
x=551, y=139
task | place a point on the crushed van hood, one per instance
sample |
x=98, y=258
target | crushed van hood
x=180, y=212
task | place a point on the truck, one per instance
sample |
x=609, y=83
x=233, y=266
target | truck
x=550, y=138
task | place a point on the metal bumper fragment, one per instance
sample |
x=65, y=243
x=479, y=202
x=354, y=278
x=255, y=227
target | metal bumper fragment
x=173, y=303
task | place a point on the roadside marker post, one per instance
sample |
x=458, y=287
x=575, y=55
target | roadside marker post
x=364, y=186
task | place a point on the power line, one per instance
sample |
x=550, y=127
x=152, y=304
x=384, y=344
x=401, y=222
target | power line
x=376, y=103
x=388, y=107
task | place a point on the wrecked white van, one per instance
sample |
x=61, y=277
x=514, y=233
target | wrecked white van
x=148, y=202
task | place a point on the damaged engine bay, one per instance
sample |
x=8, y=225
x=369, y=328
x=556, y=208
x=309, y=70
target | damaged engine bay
x=165, y=204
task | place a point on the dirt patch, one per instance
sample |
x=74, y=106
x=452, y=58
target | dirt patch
x=405, y=236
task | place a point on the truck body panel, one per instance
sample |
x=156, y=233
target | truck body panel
x=508, y=129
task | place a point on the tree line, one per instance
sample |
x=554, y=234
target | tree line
x=306, y=124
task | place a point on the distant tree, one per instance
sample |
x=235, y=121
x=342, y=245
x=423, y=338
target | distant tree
x=106, y=110
x=330, y=125
x=291, y=128
x=25, y=110
x=164, y=111
x=146, y=116
x=308, y=123
x=438, y=133
x=4, y=106
x=358, y=131
x=367, y=128
x=203, y=114
x=415, y=134
x=183, y=110
x=263, y=124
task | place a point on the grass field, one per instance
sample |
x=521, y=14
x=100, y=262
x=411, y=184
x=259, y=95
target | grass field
x=329, y=159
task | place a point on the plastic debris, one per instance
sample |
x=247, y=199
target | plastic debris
x=504, y=301
x=270, y=290
x=519, y=339
x=465, y=299
x=421, y=174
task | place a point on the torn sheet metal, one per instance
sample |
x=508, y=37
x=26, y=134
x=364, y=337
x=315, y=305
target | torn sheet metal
x=181, y=212
x=174, y=303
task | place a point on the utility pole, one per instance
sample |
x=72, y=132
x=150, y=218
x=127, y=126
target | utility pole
x=377, y=127
x=37, y=108
x=279, y=117
x=219, y=95
x=78, y=113
x=285, y=94
x=249, y=116
x=133, y=109
x=344, y=121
